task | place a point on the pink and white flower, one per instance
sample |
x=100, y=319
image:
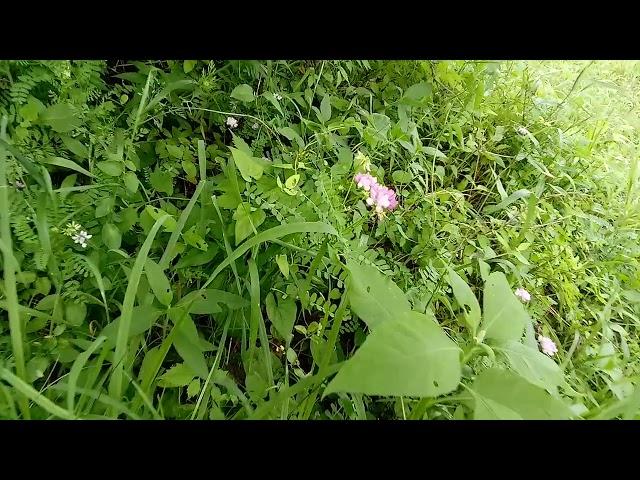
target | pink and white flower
x=522, y=294
x=547, y=345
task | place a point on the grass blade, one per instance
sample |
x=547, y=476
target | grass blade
x=115, y=384
x=77, y=367
x=28, y=391
x=10, y=289
x=268, y=235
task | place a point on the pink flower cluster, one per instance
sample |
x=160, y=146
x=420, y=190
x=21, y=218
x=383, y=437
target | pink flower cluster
x=382, y=197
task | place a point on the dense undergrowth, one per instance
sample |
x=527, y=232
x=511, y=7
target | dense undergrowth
x=212, y=240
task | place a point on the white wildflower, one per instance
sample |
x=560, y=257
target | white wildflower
x=523, y=295
x=547, y=345
x=277, y=96
x=81, y=238
x=232, y=122
x=523, y=131
x=255, y=126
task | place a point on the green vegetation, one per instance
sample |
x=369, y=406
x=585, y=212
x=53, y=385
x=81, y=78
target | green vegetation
x=319, y=240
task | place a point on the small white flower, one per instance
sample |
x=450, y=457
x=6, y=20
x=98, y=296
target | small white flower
x=81, y=238
x=522, y=294
x=277, y=96
x=547, y=345
x=232, y=122
x=20, y=184
x=255, y=126
x=523, y=131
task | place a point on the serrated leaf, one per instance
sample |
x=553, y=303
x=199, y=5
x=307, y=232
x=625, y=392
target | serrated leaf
x=504, y=316
x=162, y=181
x=179, y=375
x=411, y=357
x=503, y=395
x=194, y=388
x=243, y=92
x=374, y=297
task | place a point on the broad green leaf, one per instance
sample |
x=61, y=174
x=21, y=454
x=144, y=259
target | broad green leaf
x=61, y=117
x=111, y=236
x=282, y=314
x=434, y=152
x=188, y=65
x=533, y=365
x=208, y=301
x=191, y=237
x=158, y=282
x=194, y=388
x=143, y=318
x=189, y=346
x=247, y=221
x=75, y=313
x=416, y=93
x=162, y=181
x=291, y=135
x=70, y=164
x=248, y=166
x=283, y=265
x=503, y=395
x=175, y=151
x=401, y=176
x=179, y=375
x=466, y=299
x=31, y=109
x=104, y=207
x=111, y=167
x=325, y=108
x=243, y=92
x=170, y=223
x=504, y=316
x=131, y=182
x=274, y=101
x=411, y=356
x=374, y=297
